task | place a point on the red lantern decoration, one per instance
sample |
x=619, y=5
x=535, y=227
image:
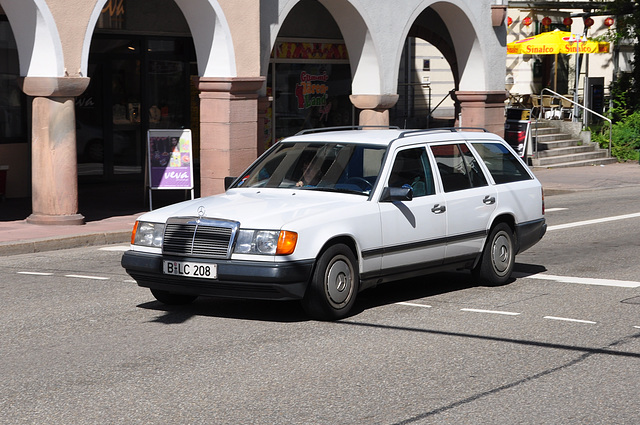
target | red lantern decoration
x=526, y=21
x=608, y=22
x=567, y=21
x=509, y=21
x=546, y=21
x=588, y=22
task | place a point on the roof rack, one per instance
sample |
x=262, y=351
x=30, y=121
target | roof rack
x=344, y=128
x=409, y=133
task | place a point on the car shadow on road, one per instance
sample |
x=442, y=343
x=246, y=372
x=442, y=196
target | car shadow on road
x=407, y=290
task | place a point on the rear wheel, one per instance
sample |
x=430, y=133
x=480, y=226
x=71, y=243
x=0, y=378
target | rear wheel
x=334, y=284
x=498, y=257
x=172, y=299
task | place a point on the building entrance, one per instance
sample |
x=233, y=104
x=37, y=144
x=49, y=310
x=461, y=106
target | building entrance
x=137, y=83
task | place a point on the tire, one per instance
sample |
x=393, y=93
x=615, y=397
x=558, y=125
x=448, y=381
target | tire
x=334, y=284
x=170, y=298
x=498, y=257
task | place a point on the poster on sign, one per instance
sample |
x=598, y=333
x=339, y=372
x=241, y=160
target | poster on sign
x=170, y=159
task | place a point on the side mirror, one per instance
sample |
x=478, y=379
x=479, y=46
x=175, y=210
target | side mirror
x=390, y=194
x=228, y=181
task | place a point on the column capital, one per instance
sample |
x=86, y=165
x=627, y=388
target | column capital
x=53, y=86
x=374, y=101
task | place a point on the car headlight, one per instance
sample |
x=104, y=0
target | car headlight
x=147, y=234
x=266, y=242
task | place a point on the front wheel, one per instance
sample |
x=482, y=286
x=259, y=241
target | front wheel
x=170, y=298
x=498, y=257
x=334, y=284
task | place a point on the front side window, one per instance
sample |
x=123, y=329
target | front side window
x=502, y=163
x=339, y=167
x=458, y=167
x=411, y=167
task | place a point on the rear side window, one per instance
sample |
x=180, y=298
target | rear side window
x=502, y=164
x=458, y=167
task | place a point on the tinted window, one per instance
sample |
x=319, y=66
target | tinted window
x=502, y=164
x=411, y=167
x=457, y=167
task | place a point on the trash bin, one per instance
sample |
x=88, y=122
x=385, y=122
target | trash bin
x=3, y=180
x=516, y=130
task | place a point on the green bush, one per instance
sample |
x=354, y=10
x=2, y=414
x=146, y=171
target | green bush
x=625, y=136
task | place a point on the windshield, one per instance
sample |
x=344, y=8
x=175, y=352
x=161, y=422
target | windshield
x=321, y=166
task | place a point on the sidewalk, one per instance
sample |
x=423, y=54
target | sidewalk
x=111, y=222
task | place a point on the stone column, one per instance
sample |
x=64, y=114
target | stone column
x=482, y=109
x=228, y=129
x=54, y=175
x=374, y=108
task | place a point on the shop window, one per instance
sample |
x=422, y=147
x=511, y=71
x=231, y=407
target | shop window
x=13, y=102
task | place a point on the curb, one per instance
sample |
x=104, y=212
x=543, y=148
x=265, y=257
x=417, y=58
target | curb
x=51, y=244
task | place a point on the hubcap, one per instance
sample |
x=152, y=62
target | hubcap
x=339, y=282
x=501, y=254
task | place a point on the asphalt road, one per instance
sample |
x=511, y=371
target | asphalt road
x=82, y=344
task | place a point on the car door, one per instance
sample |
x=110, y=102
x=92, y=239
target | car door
x=470, y=200
x=413, y=230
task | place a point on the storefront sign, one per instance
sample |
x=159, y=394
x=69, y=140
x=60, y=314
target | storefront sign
x=170, y=159
x=312, y=90
x=314, y=51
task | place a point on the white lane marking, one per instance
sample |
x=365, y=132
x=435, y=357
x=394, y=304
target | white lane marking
x=595, y=221
x=475, y=310
x=565, y=319
x=36, y=273
x=79, y=276
x=115, y=248
x=414, y=304
x=580, y=280
x=555, y=209
x=637, y=327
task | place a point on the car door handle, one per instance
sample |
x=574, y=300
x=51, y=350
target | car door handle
x=488, y=200
x=438, y=209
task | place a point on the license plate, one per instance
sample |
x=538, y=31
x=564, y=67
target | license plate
x=190, y=269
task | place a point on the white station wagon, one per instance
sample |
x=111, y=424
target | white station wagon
x=323, y=215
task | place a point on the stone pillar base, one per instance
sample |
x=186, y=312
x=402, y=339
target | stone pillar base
x=483, y=109
x=73, y=219
x=375, y=108
x=228, y=129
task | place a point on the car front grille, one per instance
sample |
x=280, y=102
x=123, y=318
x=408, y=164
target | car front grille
x=199, y=237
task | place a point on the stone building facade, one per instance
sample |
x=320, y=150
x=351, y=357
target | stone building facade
x=95, y=75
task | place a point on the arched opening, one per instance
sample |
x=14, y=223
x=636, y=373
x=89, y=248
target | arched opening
x=309, y=77
x=428, y=75
x=141, y=62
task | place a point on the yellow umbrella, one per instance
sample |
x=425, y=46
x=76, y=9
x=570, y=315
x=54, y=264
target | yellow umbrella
x=554, y=42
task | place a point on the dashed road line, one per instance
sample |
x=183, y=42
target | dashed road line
x=79, y=276
x=505, y=313
x=555, y=209
x=414, y=304
x=565, y=319
x=118, y=248
x=36, y=273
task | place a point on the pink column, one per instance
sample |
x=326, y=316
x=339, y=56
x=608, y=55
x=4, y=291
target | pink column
x=482, y=109
x=228, y=129
x=54, y=175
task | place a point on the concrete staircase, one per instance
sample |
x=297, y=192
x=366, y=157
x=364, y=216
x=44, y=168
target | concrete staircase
x=563, y=144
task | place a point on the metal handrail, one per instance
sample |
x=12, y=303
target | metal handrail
x=582, y=106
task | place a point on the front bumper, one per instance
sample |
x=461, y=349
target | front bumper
x=236, y=279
